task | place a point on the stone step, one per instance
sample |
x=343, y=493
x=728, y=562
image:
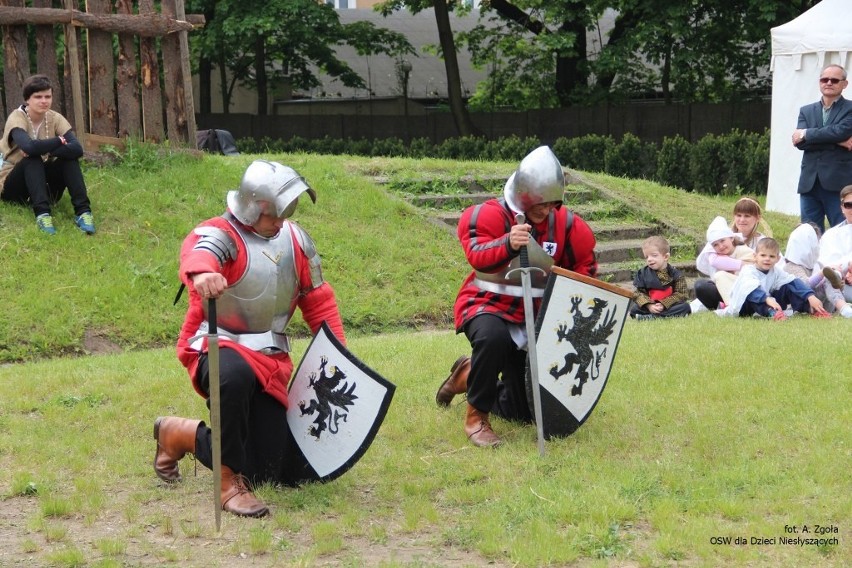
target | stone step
x=462, y=200
x=631, y=250
x=604, y=230
x=608, y=231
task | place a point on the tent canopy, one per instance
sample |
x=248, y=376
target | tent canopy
x=800, y=49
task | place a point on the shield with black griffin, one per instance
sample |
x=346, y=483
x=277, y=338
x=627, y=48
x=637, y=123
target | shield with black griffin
x=577, y=332
x=337, y=404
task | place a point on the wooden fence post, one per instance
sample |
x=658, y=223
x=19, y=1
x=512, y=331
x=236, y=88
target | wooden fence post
x=152, y=96
x=16, y=59
x=72, y=70
x=103, y=117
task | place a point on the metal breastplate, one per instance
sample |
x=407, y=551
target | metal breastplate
x=255, y=310
x=499, y=283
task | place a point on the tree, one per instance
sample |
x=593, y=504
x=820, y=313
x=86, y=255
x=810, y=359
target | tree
x=537, y=55
x=461, y=116
x=265, y=44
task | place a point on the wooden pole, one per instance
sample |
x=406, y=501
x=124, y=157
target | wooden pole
x=180, y=14
x=76, y=86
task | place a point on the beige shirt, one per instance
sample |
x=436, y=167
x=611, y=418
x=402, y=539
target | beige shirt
x=54, y=125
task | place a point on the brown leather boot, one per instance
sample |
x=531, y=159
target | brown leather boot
x=456, y=383
x=478, y=429
x=175, y=438
x=237, y=498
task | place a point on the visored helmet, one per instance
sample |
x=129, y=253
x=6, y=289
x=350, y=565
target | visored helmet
x=538, y=179
x=270, y=187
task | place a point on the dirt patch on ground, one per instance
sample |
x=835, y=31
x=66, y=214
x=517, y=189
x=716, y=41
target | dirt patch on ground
x=96, y=344
x=159, y=533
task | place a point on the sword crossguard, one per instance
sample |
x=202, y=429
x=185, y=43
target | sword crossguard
x=525, y=270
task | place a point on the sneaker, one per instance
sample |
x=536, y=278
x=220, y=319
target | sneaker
x=645, y=317
x=696, y=306
x=45, y=224
x=846, y=311
x=834, y=277
x=86, y=222
x=779, y=316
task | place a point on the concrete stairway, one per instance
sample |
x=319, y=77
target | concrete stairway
x=618, y=229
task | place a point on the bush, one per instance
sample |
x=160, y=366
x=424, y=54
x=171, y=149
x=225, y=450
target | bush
x=513, y=148
x=673, y=163
x=705, y=166
x=393, y=147
x=631, y=158
x=734, y=149
x=590, y=152
x=421, y=148
x=735, y=163
x=757, y=165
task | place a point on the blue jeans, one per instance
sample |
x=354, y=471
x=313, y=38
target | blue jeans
x=818, y=204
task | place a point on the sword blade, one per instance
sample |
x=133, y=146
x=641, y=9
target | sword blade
x=529, y=316
x=215, y=409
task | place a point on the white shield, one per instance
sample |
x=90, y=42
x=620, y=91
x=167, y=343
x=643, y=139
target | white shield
x=337, y=404
x=577, y=331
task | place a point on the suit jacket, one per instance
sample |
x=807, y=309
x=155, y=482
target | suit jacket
x=822, y=157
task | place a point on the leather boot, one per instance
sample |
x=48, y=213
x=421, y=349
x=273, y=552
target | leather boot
x=478, y=429
x=456, y=383
x=237, y=498
x=175, y=438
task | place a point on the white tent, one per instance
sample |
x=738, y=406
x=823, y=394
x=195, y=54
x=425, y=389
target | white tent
x=800, y=49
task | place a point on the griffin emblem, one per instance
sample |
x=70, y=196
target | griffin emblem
x=327, y=395
x=586, y=333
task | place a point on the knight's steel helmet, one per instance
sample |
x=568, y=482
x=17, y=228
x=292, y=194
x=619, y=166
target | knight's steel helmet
x=267, y=186
x=538, y=179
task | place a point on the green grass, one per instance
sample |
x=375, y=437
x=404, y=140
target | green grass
x=686, y=444
x=708, y=427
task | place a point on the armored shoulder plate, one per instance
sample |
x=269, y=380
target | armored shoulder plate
x=307, y=245
x=218, y=242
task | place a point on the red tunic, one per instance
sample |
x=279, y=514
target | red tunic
x=484, y=234
x=316, y=304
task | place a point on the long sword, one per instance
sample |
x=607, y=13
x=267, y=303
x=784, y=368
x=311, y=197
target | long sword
x=526, y=283
x=215, y=408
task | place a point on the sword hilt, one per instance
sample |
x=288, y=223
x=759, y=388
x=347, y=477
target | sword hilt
x=213, y=329
x=520, y=219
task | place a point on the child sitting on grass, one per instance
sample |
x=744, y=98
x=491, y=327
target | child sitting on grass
x=765, y=289
x=661, y=290
x=801, y=259
x=722, y=258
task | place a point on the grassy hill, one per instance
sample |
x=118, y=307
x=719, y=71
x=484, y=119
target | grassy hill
x=391, y=268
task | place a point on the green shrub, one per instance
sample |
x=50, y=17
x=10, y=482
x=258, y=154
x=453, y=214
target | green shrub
x=421, y=148
x=513, y=148
x=393, y=147
x=734, y=163
x=631, y=158
x=462, y=148
x=757, y=165
x=705, y=166
x=673, y=163
x=590, y=152
x=734, y=149
x=329, y=145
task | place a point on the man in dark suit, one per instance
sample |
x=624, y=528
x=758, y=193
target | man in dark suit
x=824, y=134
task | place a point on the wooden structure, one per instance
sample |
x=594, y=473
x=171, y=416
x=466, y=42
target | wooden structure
x=111, y=85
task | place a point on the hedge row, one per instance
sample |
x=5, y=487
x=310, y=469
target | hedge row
x=729, y=164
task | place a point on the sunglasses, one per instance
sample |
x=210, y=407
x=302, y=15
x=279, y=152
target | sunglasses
x=847, y=204
x=832, y=80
